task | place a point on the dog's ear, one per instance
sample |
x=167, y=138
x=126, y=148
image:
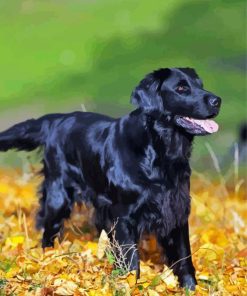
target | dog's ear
x=190, y=72
x=147, y=94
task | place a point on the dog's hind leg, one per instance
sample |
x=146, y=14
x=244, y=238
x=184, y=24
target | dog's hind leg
x=56, y=206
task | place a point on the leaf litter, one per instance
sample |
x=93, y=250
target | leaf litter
x=83, y=264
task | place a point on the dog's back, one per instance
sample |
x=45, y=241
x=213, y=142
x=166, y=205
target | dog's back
x=32, y=133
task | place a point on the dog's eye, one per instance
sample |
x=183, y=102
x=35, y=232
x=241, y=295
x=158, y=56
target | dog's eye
x=182, y=88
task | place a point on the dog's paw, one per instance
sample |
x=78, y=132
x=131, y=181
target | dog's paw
x=188, y=281
x=47, y=243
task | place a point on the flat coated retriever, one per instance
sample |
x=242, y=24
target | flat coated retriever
x=134, y=170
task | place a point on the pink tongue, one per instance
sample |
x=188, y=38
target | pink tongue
x=208, y=125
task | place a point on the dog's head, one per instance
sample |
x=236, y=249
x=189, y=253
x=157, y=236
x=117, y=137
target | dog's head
x=179, y=93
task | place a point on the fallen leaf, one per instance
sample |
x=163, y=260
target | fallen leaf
x=14, y=241
x=102, y=244
x=152, y=293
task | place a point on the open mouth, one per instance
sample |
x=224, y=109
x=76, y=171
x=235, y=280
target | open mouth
x=197, y=126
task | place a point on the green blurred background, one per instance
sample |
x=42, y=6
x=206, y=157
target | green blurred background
x=59, y=54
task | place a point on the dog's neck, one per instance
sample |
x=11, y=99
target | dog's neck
x=168, y=139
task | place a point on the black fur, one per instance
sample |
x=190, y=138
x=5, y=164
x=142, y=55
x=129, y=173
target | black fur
x=134, y=170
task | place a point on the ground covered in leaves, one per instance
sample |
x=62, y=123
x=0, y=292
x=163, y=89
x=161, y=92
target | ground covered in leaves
x=76, y=266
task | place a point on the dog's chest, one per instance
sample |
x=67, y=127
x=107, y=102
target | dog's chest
x=166, y=202
x=164, y=210
x=158, y=165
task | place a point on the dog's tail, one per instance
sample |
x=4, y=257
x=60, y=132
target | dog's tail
x=27, y=135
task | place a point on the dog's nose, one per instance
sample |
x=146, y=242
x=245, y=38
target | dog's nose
x=214, y=101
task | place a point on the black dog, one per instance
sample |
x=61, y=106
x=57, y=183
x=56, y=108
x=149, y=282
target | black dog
x=134, y=170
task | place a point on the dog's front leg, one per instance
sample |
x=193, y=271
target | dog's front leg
x=124, y=240
x=178, y=253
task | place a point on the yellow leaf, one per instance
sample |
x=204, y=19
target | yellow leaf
x=65, y=287
x=215, y=236
x=211, y=251
x=14, y=241
x=160, y=288
x=145, y=285
x=102, y=245
x=93, y=247
x=12, y=272
x=59, y=282
x=169, y=278
x=204, y=276
x=63, y=291
x=131, y=279
x=5, y=189
x=152, y=293
x=232, y=288
x=93, y=293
